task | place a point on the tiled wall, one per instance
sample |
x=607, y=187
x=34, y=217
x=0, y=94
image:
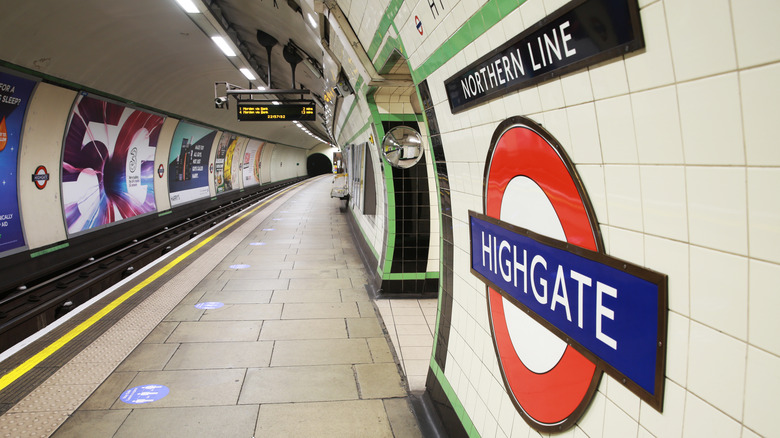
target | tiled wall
x=675, y=146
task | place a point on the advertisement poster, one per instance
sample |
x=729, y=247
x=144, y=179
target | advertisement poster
x=223, y=162
x=188, y=163
x=14, y=94
x=108, y=163
x=251, y=164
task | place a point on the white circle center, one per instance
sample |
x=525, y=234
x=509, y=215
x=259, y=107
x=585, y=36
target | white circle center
x=526, y=205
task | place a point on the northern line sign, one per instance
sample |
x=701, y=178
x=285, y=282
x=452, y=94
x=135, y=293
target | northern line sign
x=581, y=33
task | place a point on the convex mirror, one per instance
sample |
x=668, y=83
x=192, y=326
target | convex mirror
x=402, y=147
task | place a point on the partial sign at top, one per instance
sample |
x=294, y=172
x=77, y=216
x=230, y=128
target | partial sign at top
x=579, y=34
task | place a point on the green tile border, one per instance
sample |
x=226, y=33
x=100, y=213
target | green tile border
x=411, y=276
x=486, y=17
x=385, y=22
x=48, y=250
x=457, y=406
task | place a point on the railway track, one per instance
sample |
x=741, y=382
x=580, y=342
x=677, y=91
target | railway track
x=31, y=307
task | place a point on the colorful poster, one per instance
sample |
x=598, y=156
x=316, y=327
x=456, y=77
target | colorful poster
x=108, y=163
x=14, y=94
x=188, y=163
x=251, y=165
x=223, y=162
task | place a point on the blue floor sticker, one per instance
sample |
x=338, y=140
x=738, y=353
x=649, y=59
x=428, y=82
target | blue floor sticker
x=239, y=266
x=144, y=394
x=257, y=243
x=209, y=305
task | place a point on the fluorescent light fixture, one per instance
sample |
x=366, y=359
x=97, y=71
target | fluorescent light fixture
x=276, y=102
x=261, y=88
x=188, y=6
x=223, y=45
x=313, y=21
x=246, y=72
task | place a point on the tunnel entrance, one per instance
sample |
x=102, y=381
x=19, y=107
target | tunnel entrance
x=318, y=164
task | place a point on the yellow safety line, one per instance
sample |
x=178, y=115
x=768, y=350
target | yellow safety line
x=61, y=342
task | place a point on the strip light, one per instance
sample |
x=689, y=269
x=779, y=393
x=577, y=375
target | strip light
x=248, y=73
x=223, y=45
x=188, y=6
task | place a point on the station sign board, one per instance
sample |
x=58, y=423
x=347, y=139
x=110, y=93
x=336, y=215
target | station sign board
x=562, y=311
x=267, y=111
x=579, y=34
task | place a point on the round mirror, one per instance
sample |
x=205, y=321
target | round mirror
x=402, y=147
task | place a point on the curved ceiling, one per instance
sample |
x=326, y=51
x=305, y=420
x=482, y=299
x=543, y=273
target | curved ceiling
x=152, y=53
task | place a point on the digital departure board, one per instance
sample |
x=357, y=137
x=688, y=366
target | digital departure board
x=265, y=111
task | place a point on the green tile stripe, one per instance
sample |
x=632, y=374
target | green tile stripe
x=486, y=17
x=460, y=411
x=384, y=24
x=368, y=242
x=48, y=250
x=391, y=45
x=384, y=270
x=358, y=133
x=411, y=276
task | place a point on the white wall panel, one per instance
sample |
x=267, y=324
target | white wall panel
x=44, y=128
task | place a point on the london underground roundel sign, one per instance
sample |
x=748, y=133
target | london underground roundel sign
x=561, y=311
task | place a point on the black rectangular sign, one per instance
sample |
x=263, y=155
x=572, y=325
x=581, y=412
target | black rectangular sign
x=263, y=111
x=582, y=33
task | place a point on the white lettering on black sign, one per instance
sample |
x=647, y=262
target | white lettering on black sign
x=572, y=38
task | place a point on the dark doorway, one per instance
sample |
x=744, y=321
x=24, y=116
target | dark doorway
x=318, y=164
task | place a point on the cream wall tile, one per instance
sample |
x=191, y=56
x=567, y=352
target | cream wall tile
x=764, y=325
x=583, y=127
x=552, y=5
x=677, y=342
x=576, y=88
x=764, y=213
x=617, y=424
x=593, y=179
x=592, y=422
x=513, y=24
x=556, y=123
x=551, y=95
x=657, y=124
x=711, y=120
x=532, y=12
x=530, y=101
x=701, y=419
x=671, y=258
x=700, y=46
x=663, y=203
x=626, y=245
x=761, y=389
x=755, y=23
x=608, y=79
x=760, y=106
x=716, y=369
x=717, y=209
x=623, y=397
x=653, y=66
x=623, y=196
x=616, y=130
x=719, y=291
x=670, y=422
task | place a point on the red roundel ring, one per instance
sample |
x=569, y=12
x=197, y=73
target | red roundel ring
x=551, y=400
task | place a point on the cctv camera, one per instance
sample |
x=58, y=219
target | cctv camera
x=220, y=102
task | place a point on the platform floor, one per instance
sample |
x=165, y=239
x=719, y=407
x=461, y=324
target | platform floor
x=289, y=343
